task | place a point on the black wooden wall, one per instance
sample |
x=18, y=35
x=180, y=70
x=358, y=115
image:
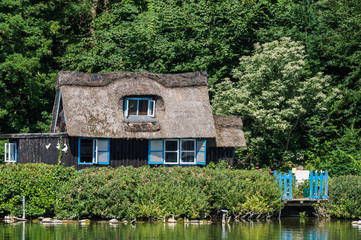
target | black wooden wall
x=123, y=152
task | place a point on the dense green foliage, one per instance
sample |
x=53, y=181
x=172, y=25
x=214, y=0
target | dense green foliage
x=128, y=192
x=40, y=38
x=275, y=95
x=345, y=198
x=153, y=193
x=39, y=184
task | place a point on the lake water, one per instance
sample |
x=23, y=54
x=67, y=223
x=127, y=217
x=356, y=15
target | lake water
x=285, y=229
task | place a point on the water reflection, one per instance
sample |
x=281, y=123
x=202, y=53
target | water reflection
x=286, y=229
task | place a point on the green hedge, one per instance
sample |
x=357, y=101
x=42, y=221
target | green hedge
x=37, y=182
x=344, y=198
x=127, y=192
x=151, y=193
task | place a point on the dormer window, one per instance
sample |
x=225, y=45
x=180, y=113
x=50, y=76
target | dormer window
x=138, y=108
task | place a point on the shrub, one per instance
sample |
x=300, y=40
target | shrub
x=37, y=182
x=152, y=193
x=344, y=197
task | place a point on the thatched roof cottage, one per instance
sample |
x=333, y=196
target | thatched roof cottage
x=127, y=118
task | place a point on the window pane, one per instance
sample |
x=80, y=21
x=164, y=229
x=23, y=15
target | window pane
x=143, y=107
x=156, y=145
x=12, y=152
x=156, y=157
x=188, y=145
x=171, y=145
x=102, y=157
x=200, y=157
x=132, y=107
x=102, y=145
x=171, y=157
x=151, y=108
x=188, y=157
x=201, y=145
x=86, y=150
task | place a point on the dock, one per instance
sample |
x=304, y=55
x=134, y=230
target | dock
x=301, y=202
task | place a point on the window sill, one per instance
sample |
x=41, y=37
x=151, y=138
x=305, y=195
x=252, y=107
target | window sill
x=140, y=119
x=142, y=127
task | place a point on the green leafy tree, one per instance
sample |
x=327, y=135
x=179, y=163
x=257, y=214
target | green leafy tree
x=274, y=95
x=31, y=36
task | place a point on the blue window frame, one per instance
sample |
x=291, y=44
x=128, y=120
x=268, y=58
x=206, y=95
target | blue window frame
x=93, y=151
x=177, y=151
x=11, y=152
x=139, y=107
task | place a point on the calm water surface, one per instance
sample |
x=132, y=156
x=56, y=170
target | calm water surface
x=286, y=229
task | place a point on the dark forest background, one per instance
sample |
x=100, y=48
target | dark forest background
x=322, y=39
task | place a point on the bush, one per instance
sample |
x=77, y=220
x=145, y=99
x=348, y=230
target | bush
x=152, y=193
x=37, y=182
x=344, y=197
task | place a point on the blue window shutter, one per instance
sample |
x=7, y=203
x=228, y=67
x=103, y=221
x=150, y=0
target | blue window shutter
x=102, y=151
x=201, y=152
x=156, y=151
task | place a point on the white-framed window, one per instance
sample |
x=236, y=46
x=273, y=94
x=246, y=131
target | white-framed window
x=11, y=152
x=177, y=151
x=93, y=151
x=171, y=151
x=139, y=107
x=188, y=151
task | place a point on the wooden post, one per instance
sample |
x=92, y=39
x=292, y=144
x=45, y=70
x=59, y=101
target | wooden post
x=321, y=186
x=23, y=207
x=316, y=186
x=285, y=185
x=325, y=196
x=311, y=185
x=290, y=178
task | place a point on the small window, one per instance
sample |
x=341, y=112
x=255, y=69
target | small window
x=10, y=152
x=177, y=151
x=139, y=107
x=188, y=150
x=94, y=151
x=171, y=151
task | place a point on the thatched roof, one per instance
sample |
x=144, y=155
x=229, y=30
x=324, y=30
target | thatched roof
x=94, y=104
x=229, y=131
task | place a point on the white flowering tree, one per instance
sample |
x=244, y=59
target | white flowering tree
x=274, y=93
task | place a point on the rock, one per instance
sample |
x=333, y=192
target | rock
x=57, y=221
x=113, y=220
x=47, y=220
x=85, y=221
x=194, y=221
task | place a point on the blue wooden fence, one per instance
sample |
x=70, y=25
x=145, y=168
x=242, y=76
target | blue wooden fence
x=318, y=185
x=285, y=182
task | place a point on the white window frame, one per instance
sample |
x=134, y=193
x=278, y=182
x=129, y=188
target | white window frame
x=151, y=106
x=184, y=151
x=95, y=151
x=10, y=152
x=165, y=151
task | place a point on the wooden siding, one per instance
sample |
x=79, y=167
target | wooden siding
x=217, y=154
x=43, y=150
x=123, y=152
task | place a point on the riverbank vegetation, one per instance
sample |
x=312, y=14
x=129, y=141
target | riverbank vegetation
x=153, y=193
x=141, y=193
x=345, y=198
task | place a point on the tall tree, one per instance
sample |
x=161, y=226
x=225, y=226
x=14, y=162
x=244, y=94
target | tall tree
x=274, y=95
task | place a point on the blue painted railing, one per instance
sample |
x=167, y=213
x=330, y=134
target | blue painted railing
x=318, y=185
x=285, y=182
